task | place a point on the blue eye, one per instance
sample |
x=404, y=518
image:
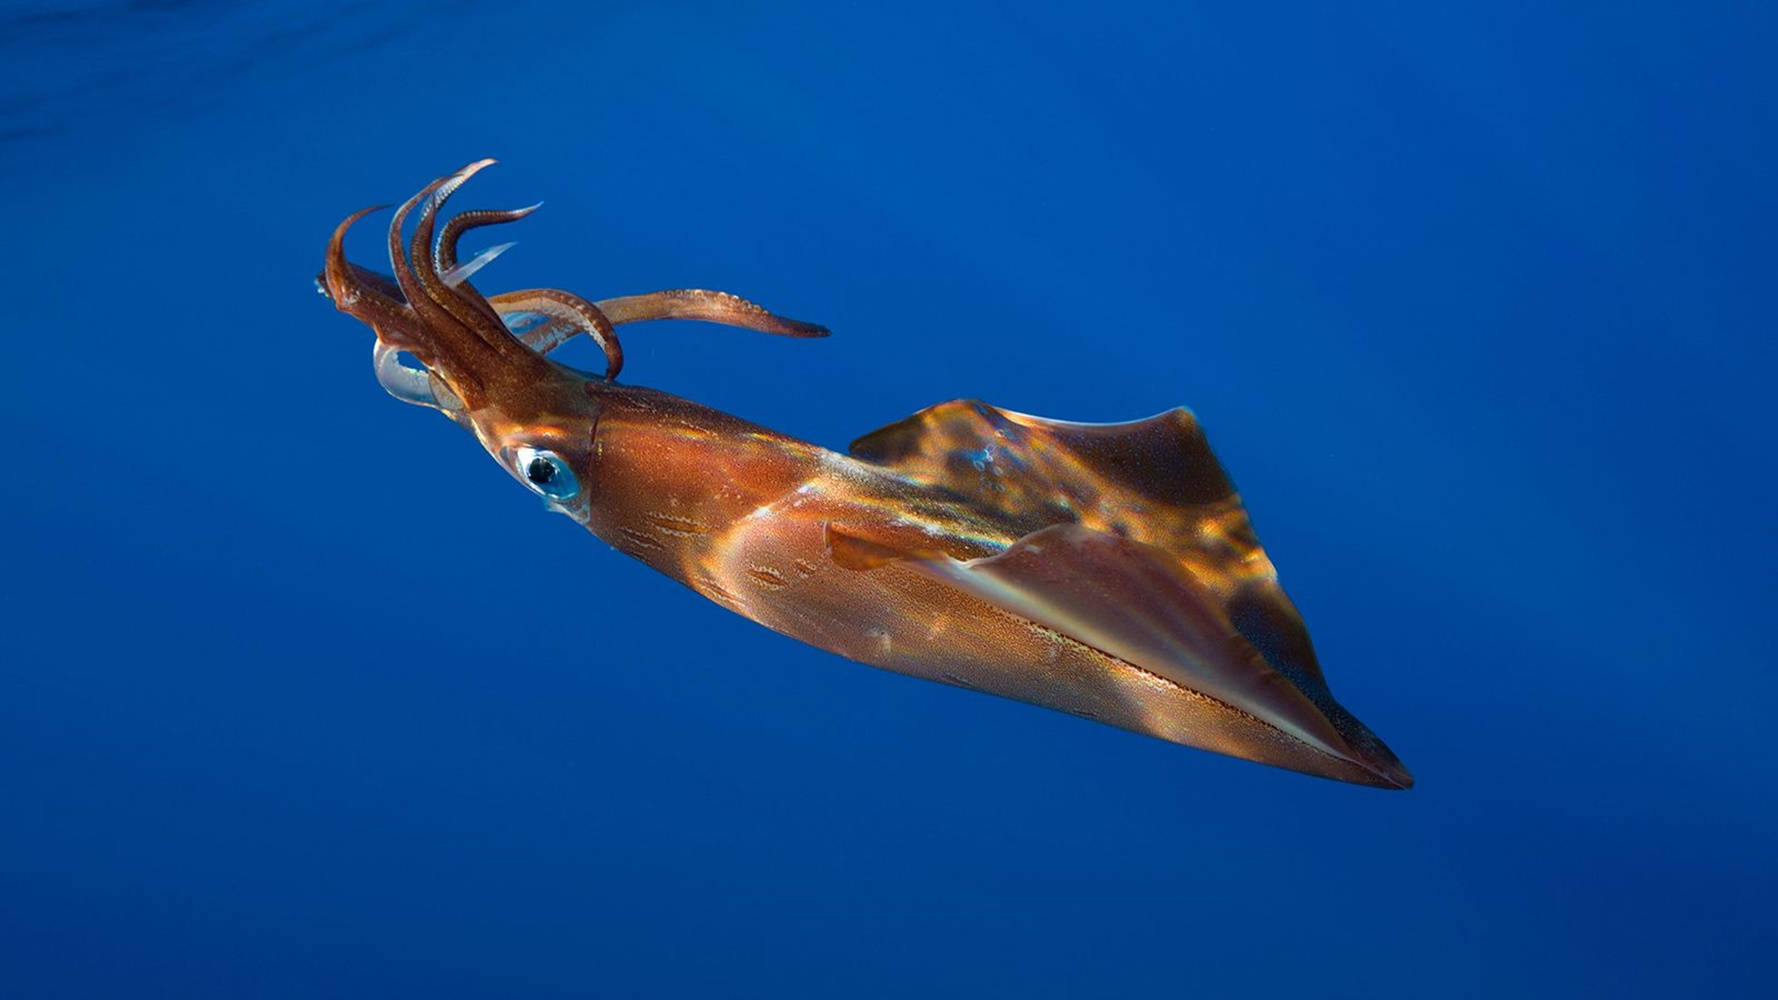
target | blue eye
x=546, y=473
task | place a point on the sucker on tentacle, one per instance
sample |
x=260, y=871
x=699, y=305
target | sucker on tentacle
x=445, y=252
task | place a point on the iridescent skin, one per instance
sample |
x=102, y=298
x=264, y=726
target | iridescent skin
x=1106, y=570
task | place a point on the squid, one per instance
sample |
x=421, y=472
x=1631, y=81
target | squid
x=1109, y=571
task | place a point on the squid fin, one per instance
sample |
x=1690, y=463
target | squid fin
x=1138, y=604
x=1154, y=481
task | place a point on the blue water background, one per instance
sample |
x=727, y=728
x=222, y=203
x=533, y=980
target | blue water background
x=300, y=695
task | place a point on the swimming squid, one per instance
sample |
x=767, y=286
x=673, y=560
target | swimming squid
x=1109, y=571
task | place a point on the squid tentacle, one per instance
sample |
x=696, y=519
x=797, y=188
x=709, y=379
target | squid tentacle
x=378, y=282
x=466, y=305
x=371, y=297
x=582, y=316
x=436, y=316
x=346, y=283
x=566, y=309
x=445, y=253
x=542, y=337
x=567, y=314
x=429, y=309
x=457, y=343
x=709, y=306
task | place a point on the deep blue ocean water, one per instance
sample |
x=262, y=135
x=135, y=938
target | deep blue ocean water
x=300, y=695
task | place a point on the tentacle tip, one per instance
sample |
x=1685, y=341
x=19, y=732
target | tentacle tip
x=466, y=172
x=361, y=213
x=339, y=231
x=797, y=328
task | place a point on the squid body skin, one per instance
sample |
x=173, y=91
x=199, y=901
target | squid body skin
x=1105, y=570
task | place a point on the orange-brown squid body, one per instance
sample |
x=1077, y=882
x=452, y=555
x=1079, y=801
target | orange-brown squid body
x=1106, y=570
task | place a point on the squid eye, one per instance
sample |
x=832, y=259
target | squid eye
x=546, y=473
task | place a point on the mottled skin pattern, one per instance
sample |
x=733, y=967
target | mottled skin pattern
x=1108, y=571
